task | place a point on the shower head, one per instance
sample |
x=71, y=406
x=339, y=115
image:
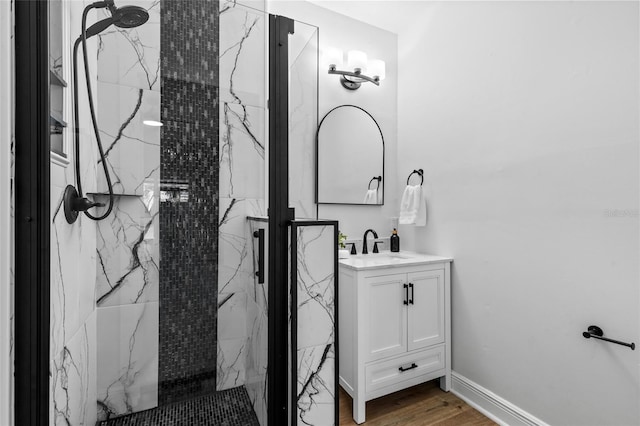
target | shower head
x=128, y=16
x=121, y=17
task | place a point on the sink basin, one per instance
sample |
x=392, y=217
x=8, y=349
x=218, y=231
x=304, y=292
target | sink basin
x=387, y=258
x=381, y=256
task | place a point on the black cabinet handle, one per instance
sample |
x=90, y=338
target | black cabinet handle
x=406, y=294
x=413, y=365
x=259, y=234
x=411, y=300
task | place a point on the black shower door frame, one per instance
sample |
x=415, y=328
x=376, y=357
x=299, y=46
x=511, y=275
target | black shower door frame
x=32, y=211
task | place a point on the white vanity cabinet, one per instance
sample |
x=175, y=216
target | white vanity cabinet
x=394, y=324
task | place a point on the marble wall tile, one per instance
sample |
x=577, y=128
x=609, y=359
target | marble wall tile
x=241, y=147
x=316, y=285
x=242, y=151
x=73, y=268
x=232, y=315
x=316, y=376
x=237, y=292
x=128, y=252
x=315, y=310
x=127, y=242
x=131, y=57
x=73, y=263
x=132, y=149
x=241, y=322
x=257, y=341
x=319, y=415
x=257, y=391
x=128, y=359
x=234, y=259
x=73, y=379
x=242, y=52
x=88, y=151
x=231, y=370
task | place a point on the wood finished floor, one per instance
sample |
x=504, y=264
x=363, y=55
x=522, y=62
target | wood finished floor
x=421, y=405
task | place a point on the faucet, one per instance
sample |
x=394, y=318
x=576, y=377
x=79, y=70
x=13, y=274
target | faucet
x=364, y=242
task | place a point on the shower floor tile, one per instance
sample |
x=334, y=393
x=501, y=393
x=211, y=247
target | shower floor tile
x=225, y=408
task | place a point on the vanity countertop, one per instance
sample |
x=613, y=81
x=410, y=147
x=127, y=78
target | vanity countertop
x=389, y=259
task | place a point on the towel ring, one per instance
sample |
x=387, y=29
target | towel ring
x=378, y=178
x=419, y=172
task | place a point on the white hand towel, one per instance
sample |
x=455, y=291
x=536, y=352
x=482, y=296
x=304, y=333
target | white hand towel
x=413, y=209
x=371, y=197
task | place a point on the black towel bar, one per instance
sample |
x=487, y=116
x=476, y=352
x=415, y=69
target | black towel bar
x=420, y=172
x=597, y=333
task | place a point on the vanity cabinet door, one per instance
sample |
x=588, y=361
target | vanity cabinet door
x=386, y=316
x=426, y=309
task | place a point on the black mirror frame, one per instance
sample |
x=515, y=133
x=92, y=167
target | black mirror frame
x=318, y=158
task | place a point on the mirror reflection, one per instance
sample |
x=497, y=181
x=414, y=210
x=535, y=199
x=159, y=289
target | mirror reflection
x=350, y=167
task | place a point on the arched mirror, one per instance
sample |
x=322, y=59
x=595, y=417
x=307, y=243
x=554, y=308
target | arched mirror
x=350, y=167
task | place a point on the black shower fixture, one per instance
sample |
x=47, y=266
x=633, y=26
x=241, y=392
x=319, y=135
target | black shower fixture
x=121, y=17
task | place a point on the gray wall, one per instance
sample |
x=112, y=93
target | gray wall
x=527, y=117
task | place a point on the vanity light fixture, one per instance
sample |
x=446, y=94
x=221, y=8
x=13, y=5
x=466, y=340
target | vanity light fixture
x=359, y=68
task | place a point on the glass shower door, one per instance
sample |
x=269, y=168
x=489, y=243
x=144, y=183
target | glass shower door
x=303, y=118
x=313, y=252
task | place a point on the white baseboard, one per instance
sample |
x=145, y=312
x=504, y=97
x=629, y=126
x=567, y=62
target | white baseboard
x=491, y=405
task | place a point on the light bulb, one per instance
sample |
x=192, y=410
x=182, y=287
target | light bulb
x=377, y=69
x=334, y=57
x=357, y=59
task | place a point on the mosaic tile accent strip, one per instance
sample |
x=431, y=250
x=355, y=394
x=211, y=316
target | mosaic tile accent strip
x=188, y=199
x=226, y=408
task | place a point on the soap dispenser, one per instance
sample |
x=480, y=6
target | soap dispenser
x=395, y=241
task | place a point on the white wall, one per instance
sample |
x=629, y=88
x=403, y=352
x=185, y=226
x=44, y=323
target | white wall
x=524, y=116
x=343, y=32
x=6, y=225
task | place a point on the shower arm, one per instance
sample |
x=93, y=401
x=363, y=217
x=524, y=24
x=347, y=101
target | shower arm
x=93, y=30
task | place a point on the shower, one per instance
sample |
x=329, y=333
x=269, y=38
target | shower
x=121, y=17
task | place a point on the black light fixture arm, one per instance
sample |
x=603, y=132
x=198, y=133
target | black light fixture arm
x=596, y=332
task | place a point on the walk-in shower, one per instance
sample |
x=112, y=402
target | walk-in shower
x=157, y=314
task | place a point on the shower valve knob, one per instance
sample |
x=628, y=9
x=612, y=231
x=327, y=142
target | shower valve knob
x=73, y=204
x=84, y=204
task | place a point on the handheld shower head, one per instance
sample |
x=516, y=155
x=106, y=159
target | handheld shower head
x=121, y=17
x=129, y=16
